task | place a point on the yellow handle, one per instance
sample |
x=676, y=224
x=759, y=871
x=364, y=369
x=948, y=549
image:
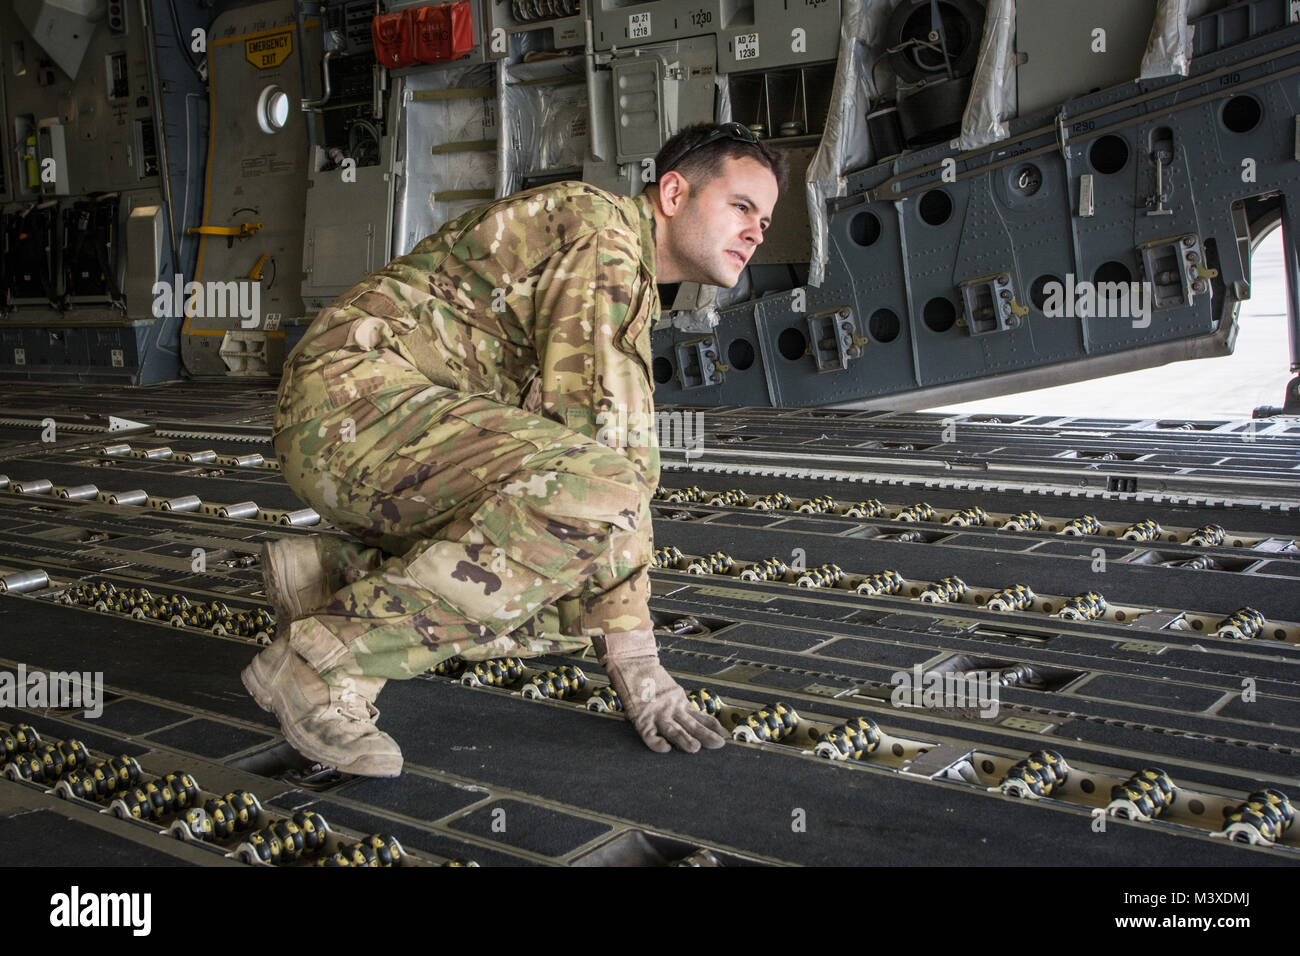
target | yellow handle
x=242, y=231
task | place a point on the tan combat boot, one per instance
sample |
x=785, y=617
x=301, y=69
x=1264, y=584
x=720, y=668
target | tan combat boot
x=294, y=577
x=332, y=723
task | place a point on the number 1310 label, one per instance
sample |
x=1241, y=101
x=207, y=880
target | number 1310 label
x=747, y=46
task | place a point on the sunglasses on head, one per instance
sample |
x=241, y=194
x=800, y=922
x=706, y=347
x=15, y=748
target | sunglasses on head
x=733, y=131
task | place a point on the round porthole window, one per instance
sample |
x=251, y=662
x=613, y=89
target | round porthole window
x=272, y=109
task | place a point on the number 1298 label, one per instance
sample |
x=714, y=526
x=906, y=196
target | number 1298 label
x=638, y=26
x=747, y=46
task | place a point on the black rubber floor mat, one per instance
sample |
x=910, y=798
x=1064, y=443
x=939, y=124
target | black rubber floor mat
x=45, y=838
x=138, y=717
x=530, y=827
x=207, y=738
x=414, y=796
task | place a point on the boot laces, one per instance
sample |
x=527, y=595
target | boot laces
x=353, y=706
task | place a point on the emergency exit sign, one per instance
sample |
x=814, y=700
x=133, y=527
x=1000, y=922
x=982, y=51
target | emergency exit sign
x=268, y=52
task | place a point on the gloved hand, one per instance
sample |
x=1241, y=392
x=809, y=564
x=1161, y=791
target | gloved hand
x=652, y=700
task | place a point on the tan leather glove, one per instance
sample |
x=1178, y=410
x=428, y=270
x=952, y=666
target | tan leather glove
x=652, y=700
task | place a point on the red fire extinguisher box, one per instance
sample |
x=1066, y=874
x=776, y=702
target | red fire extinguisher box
x=430, y=34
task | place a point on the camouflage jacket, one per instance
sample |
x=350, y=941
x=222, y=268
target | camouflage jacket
x=543, y=300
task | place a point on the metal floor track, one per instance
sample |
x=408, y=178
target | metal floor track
x=961, y=640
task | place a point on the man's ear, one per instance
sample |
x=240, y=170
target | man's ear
x=673, y=192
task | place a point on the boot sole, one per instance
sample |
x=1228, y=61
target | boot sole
x=366, y=766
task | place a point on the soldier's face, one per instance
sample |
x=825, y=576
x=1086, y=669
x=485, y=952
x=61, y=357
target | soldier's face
x=721, y=224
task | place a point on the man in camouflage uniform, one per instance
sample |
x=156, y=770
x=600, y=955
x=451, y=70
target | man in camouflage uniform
x=446, y=411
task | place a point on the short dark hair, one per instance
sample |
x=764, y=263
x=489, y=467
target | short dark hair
x=701, y=166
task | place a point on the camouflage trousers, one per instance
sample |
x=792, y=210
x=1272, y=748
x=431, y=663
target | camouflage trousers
x=486, y=530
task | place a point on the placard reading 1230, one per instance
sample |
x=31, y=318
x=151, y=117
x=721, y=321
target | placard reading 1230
x=747, y=46
x=638, y=26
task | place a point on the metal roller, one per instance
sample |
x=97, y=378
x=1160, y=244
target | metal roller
x=605, y=700
x=185, y=787
x=776, y=501
x=562, y=683
x=386, y=849
x=817, y=506
x=1243, y=624
x=242, y=509
x=1146, y=530
x=1144, y=796
x=769, y=569
x=136, y=497
x=290, y=837
x=1082, y=526
x=155, y=454
x=699, y=858
x=260, y=847
x=885, y=582
x=691, y=495
x=921, y=511
x=770, y=723
x=1088, y=606
x=194, y=824
x=314, y=829
x=946, y=591
x=125, y=769
x=79, y=492
x=1207, y=536
x=225, y=820
x=75, y=784
x=1025, y=521
x=33, y=486
x=198, y=457
x=114, y=450
x=21, y=582
x=52, y=762
x=974, y=517
x=735, y=498
x=302, y=518
x=1038, y=775
x=26, y=737
x=1018, y=597
x=499, y=672
x=74, y=753
x=25, y=767
x=851, y=740
x=871, y=508
x=668, y=557
x=4, y=481
x=1263, y=818
x=452, y=667
x=184, y=503
x=825, y=576
x=706, y=701
x=719, y=562
x=249, y=461
x=245, y=806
